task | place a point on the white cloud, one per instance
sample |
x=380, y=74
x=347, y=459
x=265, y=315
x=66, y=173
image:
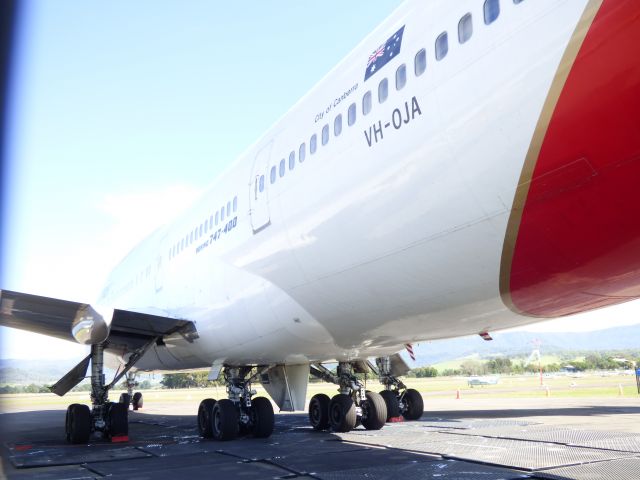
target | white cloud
x=75, y=268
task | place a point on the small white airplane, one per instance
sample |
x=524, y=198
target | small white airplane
x=471, y=166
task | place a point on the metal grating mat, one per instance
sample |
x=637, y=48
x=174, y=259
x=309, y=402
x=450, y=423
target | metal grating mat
x=533, y=456
x=622, y=444
x=442, y=470
x=72, y=454
x=520, y=454
x=341, y=461
x=623, y=469
x=584, y=438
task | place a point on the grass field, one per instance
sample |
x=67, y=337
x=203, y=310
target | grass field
x=526, y=386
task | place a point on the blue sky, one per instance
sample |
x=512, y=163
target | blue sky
x=123, y=112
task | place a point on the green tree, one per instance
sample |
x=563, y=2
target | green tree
x=473, y=367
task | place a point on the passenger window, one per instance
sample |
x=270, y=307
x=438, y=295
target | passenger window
x=442, y=46
x=325, y=134
x=217, y=217
x=292, y=160
x=211, y=222
x=281, y=169
x=383, y=90
x=366, y=103
x=182, y=244
x=491, y=11
x=313, y=144
x=337, y=125
x=401, y=77
x=235, y=204
x=261, y=183
x=222, y=214
x=228, y=209
x=191, y=237
x=206, y=225
x=465, y=28
x=201, y=229
x=420, y=64
x=351, y=115
x=302, y=152
x=273, y=175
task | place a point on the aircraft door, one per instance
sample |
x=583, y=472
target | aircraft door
x=259, y=190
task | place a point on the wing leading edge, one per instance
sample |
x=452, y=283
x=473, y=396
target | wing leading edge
x=80, y=322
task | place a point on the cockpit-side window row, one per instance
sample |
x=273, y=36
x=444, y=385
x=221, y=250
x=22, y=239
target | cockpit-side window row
x=491, y=11
x=205, y=227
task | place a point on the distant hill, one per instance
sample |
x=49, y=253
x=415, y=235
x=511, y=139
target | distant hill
x=516, y=343
x=40, y=372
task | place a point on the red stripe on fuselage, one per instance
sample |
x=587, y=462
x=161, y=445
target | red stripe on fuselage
x=578, y=242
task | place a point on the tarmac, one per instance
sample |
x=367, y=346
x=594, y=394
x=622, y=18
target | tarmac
x=547, y=438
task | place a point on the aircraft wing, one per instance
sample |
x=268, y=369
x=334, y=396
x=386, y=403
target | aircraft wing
x=81, y=323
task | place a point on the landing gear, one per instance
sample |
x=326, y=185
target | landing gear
x=227, y=418
x=319, y=411
x=351, y=406
x=108, y=418
x=78, y=423
x=136, y=401
x=342, y=413
x=130, y=398
x=399, y=399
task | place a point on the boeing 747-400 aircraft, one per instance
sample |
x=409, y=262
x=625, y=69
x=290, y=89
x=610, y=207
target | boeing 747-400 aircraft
x=469, y=167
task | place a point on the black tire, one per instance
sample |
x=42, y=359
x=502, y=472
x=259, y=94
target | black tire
x=414, y=405
x=393, y=405
x=225, y=419
x=117, y=420
x=262, y=416
x=136, y=401
x=125, y=398
x=342, y=413
x=78, y=423
x=319, y=411
x=205, y=417
x=374, y=411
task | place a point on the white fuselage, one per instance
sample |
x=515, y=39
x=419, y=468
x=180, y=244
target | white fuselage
x=386, y=235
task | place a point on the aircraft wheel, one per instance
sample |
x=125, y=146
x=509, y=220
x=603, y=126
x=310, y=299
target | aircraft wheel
x=319, y=411
x=263, y=419
x=137, y=401
x=342, y=413
x=414, y=406
x=225, y=420
x=205, y=417
x=125, y=398
x=78, y=423
x=374, y=411
x=393, y=405
x=117, y=420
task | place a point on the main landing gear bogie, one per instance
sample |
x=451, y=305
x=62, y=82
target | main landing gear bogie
x=351, y=407
x=239, y=414
x=355, y=406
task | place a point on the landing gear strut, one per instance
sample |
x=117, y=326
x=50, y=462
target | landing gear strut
x=353, y=405
x=108, y=418
x=238, y=414
x=130, y=398
x=400, y=400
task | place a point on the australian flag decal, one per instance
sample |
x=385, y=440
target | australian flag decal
x=384, y=53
